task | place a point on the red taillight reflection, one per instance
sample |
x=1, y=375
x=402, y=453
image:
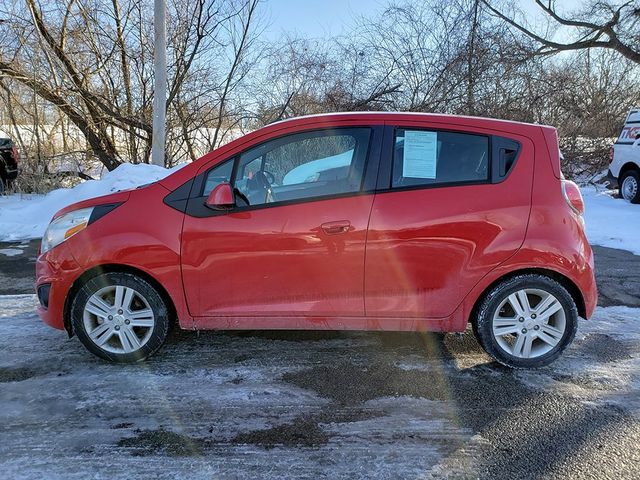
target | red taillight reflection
x=611, y=154
x=573, y=196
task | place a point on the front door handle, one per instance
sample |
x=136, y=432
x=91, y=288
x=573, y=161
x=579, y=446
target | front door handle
x=333, y=228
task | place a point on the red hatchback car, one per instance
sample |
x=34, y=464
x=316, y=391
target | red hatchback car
x=356, y=221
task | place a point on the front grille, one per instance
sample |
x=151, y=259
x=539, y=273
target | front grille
x=43, y=294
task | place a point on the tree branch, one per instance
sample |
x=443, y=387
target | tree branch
x=595, y=31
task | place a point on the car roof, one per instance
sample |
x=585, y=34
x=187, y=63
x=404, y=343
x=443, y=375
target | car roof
x=398, y=115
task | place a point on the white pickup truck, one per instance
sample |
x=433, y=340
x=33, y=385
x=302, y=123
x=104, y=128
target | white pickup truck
x=624, y=159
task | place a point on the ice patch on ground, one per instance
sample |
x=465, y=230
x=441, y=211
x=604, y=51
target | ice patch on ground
x=602, y=364
x=27, y=216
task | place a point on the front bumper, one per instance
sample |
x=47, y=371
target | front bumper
x=56, y=271
x=613, y=180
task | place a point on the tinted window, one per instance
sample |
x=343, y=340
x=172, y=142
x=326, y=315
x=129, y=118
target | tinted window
x=423, y=157
x=218, y=175
x=311, y=164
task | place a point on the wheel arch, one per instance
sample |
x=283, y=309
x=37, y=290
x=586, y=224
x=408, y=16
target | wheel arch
x=626, y=167
x=113, y=268
x=563, y=280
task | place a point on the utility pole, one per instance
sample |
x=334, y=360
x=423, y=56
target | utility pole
x=160, y=81
x=471, y=65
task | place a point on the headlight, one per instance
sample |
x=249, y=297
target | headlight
x=65, y=227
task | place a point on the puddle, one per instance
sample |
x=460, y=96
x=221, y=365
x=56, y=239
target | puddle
x=349, y=384
x=15, y=374
x=303, y=431
x=162, y=442
x=604, y=348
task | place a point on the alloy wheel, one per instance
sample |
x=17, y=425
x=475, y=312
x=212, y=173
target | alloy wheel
x=529, y=323
x=118, y=319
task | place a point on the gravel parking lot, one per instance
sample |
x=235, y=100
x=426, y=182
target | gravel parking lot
x=319, y=404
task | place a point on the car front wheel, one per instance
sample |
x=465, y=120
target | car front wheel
x=526, y=321
x=120, y=317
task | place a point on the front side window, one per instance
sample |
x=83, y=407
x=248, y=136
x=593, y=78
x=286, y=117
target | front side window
x=425, y=157
x=305, y=165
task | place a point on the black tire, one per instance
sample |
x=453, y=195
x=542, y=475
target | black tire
x=2, y=186
x=630, y=176
x=497, y=295
x=161, y=317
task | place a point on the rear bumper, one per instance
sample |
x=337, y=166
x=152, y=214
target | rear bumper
x=589, y=292
x=56, y=271
x=584, y=277
x=12, y=174
x=613, y=180
x=10, y=166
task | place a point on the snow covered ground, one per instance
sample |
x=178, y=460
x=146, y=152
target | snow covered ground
x=316, y=405
x=27, y=216
x=611, y=222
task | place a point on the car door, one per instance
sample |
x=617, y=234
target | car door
x=294, y=244
x=452, y=204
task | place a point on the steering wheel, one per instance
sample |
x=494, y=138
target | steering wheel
x=270, y=177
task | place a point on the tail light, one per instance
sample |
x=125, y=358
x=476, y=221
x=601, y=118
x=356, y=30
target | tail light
x=573, y=196
x=611, y=155
x=16, y=154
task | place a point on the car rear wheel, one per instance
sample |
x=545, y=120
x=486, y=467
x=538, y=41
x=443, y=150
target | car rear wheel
x=526, y=321
x=120, y=317
x=630, y=186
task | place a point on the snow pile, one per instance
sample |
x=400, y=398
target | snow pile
x=27, y=216
x=611, y=222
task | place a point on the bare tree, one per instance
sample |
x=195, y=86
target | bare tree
x=92, y=62
x=601, y=24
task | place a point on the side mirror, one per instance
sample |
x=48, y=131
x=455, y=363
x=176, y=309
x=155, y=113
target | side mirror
x=221, y=197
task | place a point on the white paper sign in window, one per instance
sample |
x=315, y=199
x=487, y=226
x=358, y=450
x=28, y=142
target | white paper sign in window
x=420, y=154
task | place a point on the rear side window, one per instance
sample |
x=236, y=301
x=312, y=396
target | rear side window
x=426, y=157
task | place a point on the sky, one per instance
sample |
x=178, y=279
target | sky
x=327, y=18
x=317, y=18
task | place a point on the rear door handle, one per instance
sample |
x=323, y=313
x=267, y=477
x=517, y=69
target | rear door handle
x=333, y=228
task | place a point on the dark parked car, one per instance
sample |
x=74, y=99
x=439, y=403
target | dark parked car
x=8, y=163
